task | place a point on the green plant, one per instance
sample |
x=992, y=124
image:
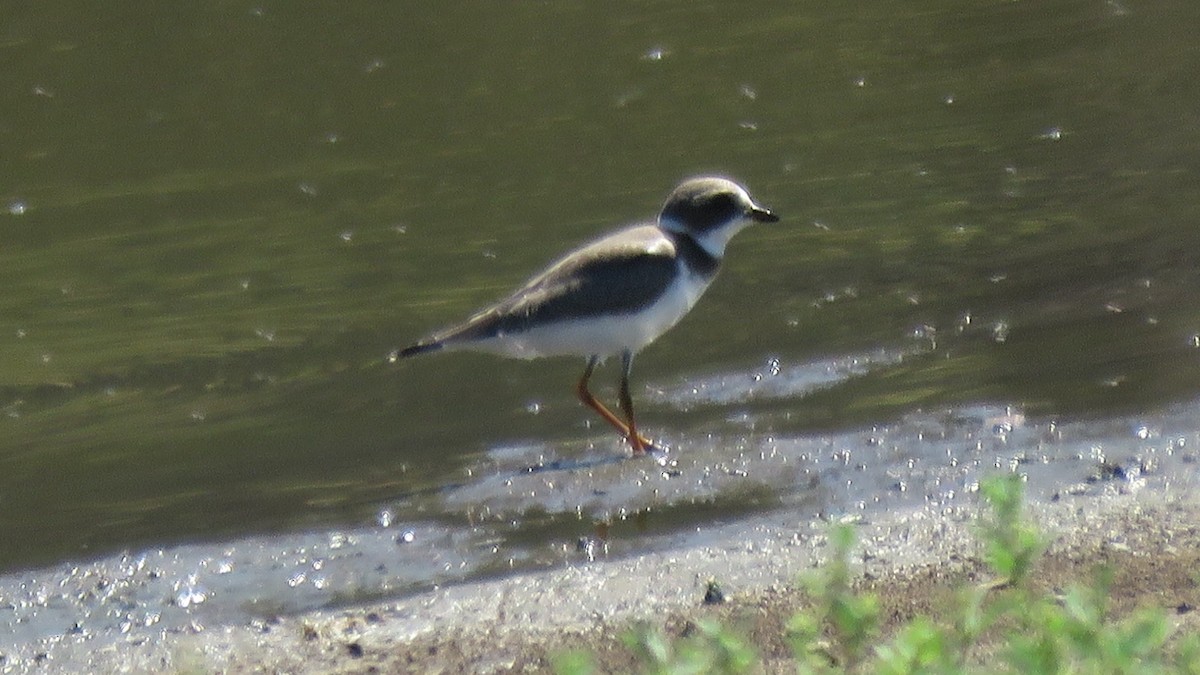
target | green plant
x=1011, y=545
x=1006, y=626
x=708, y=648
x=852, y=619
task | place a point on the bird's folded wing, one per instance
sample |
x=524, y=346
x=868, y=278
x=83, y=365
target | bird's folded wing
x=616, y=275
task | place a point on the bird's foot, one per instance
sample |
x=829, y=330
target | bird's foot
x=644, y=446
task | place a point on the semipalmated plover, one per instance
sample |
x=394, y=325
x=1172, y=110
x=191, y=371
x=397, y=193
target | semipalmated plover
x=616, y=294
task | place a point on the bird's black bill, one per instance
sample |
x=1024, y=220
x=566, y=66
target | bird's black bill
x=761, y=215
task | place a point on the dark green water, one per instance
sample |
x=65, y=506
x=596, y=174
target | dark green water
x=217, y=219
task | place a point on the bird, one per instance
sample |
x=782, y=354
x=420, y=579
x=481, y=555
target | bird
x=615, y=295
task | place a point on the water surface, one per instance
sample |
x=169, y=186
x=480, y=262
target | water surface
x=218, y=220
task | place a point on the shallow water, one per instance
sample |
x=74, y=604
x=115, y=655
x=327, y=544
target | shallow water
x=532, y=507
x=217, y=221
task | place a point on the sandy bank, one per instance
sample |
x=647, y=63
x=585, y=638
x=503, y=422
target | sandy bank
x=519, y=623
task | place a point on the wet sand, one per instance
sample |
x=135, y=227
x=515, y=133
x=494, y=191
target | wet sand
x=913, y=560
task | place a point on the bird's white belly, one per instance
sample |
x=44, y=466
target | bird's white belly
x=603, y=336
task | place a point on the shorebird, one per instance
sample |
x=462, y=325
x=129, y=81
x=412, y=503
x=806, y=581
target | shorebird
x=615, y=295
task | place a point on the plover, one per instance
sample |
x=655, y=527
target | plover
x=615, y=295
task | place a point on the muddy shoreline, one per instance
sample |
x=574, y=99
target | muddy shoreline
x=521, y=623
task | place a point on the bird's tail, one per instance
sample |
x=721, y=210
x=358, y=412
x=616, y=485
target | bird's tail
x=481, y=326
x=420, y=348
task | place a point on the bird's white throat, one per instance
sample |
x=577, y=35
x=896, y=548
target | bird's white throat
x=714, y=241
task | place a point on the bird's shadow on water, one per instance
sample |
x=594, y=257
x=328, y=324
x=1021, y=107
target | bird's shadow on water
x=660, y=456
x=503, y=470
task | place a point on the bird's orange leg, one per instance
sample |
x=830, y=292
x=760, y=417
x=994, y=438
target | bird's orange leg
x=635, y=439
x=639, y=442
